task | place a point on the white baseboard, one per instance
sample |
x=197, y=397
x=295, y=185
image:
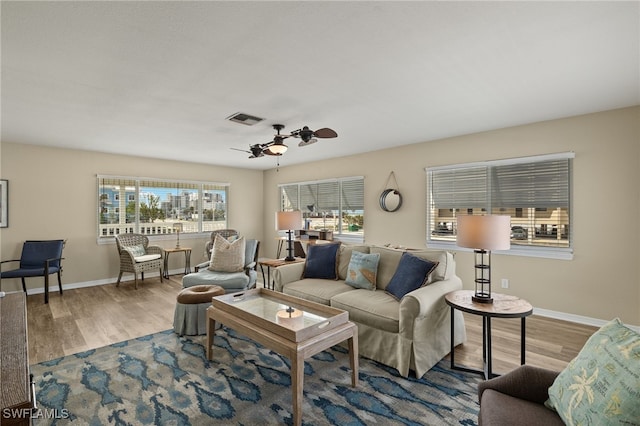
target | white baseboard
x=577, y=318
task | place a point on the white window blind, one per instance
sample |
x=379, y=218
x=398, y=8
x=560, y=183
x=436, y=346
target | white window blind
x=534, y=191
x=335, y=204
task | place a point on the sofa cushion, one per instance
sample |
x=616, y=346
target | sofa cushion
x=362, y=271
x=601, y=385
x=146, y=258
x=389, y=260
x=227, y=256
x=321, y=262
x=373, y=308
x=344, y=257
x=412, y=273
x=316, y=290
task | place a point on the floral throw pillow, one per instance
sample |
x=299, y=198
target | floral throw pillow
x=601, y=386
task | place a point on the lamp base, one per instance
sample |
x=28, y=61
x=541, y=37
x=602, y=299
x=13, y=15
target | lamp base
x=482, y=298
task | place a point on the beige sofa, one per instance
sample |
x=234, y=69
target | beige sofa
x=410, y=334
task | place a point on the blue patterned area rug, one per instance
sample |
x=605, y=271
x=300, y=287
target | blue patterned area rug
x=163, y=379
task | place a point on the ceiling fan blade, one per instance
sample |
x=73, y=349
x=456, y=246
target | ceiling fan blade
x=325, y=132
x=241, y=150
x=309, y=142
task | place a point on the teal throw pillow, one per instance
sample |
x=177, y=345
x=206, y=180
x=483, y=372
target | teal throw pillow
x=412, y=273
x=362, y=271
x=321, y=261
x=601, y=386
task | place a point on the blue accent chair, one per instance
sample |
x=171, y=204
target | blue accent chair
x=229, y=281
x=38, y=259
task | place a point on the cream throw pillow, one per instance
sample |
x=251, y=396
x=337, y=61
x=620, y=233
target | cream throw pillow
x=227, y=256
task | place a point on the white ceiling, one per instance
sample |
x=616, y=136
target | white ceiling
x=158, y=79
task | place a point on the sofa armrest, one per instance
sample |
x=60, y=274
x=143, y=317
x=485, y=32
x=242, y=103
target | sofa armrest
x=286, y=274
x=423, y=301
x=525, y=382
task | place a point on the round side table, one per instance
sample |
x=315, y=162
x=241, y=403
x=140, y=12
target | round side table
x=503, y=306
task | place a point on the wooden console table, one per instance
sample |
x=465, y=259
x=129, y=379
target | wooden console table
x=17, y=391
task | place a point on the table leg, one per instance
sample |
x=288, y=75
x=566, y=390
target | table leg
x=269, y=286
x=488, y=370
x=187, y=262
x=353, y=357
x=522, y=341
x=452, y=353
x=211, y=331
x=165, y=273
x=264, y=283
x=297, y=384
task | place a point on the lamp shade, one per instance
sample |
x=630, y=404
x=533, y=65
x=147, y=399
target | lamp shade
x=490, y=232
x=286, y=221
x=278, y=148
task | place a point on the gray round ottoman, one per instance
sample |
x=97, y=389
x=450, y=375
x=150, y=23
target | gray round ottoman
x=190, y=317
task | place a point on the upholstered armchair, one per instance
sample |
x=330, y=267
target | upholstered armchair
x=517, y=398
x=229, y=281
x=38, y=259
x=136, y=255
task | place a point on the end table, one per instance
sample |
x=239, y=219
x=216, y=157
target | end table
x=503, y=306
x=187, y=259
x=274, y=263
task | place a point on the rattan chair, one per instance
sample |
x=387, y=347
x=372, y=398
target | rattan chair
x=136, y=255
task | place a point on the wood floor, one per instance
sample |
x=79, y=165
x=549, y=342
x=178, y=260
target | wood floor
x=92, y=317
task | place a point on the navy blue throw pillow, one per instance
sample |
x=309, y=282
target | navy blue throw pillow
x=411, y=274
x=321, y=261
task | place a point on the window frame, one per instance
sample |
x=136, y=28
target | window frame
x=531, y=250
x=351, y=237
x=166, y=232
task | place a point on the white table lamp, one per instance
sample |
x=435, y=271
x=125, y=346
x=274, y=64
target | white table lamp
x=483, y=234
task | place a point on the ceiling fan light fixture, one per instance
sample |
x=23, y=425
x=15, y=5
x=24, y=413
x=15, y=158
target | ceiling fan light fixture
x=277, y=149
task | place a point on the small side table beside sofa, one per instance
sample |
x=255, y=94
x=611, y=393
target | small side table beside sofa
x=503, y=306
x=274, y=263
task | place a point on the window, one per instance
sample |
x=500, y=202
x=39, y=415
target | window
x=534, y=191
x=152, y=206
x=335, y=205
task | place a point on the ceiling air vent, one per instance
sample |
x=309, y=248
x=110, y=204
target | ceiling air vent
x=242, y=118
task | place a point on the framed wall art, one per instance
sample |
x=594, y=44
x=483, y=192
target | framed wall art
x=4, y=203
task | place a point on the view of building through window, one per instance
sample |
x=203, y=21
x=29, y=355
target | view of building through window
x=152, y=207
x=335, y=205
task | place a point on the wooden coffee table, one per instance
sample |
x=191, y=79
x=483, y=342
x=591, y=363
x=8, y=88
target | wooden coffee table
x=290, y=326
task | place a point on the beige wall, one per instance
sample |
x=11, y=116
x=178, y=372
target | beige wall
x=53, y=195
x=603, y=279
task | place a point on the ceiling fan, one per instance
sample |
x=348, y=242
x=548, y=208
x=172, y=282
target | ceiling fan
x=276, y=147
